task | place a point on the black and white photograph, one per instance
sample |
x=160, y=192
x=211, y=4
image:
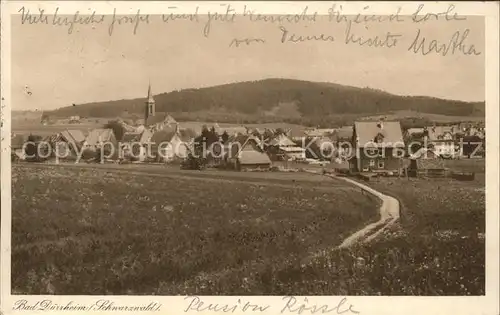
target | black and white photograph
x=237, y=152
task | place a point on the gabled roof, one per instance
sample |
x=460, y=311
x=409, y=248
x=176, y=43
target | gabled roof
x=424, y=153
x=366, y=131
x=343, y=133
x=99, y=135
x=76, y=136
x=243, y=143
x=437, y=133
x=429, y=163
x=160, y=118
x=138, y=136
x=412, y=131
x=131, y=137
x=282, y=141
x=166, y=135
x=253, y=157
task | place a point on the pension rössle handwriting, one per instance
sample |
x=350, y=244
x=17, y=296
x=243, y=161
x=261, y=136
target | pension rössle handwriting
x=288, y=29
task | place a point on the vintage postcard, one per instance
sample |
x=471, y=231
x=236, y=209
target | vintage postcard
x=249, y=157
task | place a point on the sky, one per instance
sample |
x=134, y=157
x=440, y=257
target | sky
x=59, y=69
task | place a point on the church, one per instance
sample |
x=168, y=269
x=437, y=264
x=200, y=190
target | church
x=154, y=121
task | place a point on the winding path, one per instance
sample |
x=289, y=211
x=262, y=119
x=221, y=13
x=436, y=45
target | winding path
x=389, y=214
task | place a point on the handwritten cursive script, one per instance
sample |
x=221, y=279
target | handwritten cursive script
x=293, y=38
x=198, y=305
x=237, y=42
x=389, y=40
x=455, y=44
x=293, y=306
x=135, y=21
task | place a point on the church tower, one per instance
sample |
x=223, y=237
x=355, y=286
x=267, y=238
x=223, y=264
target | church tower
x=150, y=105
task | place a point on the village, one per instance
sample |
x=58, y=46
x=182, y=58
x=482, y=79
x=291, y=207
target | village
x=366, y=148
x=176, y=193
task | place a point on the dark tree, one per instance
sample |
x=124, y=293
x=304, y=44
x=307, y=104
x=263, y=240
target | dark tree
x=225, y=137
x=35, y=149
x=117, y=128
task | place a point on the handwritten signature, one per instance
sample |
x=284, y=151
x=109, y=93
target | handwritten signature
x=455, y=44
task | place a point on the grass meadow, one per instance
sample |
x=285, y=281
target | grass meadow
x=82, y=231
x=99, y=231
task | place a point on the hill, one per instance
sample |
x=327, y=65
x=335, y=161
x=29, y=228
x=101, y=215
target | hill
x=272, y=100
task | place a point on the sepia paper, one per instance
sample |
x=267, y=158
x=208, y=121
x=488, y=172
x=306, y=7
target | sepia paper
x=278, y=230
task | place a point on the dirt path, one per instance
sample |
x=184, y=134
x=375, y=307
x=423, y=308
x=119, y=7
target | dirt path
x=389, y=214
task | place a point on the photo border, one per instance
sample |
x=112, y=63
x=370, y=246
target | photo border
x=487, y=304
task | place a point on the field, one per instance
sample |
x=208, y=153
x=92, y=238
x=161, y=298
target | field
x=38, y=129
x=402, y=114
x=77, y=230
x=440, y=240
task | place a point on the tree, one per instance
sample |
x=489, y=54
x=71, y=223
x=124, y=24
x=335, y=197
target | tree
x=225, y=137
x=117, y=128
x=35, y=150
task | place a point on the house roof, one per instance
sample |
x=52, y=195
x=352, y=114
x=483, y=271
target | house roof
x=131, y=137
x=243, y=143
x=429, y=163
x=247, y=157
x=137, y=136
x=160, y=118
x=166, y=135
x=436, y=133
x=97, y=135
x=424, y=153
x=367, y=131
x=282, y=141
x=76, y=136
x=412, y=131
x=319, y=132
x=343, y=133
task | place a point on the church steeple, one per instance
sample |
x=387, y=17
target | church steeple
x=150, y=104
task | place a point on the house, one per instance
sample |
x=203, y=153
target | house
x=152, y=120
x=172, y=143
x=74, y=119
x=17, y=146
x=412, y=132
x=378, y=146
x=340, y=165
x=343, y=134
x=67, y=143
x=283, y=148
x=322, y=148
x=246, y=154
x=424, y=153
x=104, y=139
x=426, y=164
x=319, y=132
x=442, y=140
x=135, y=145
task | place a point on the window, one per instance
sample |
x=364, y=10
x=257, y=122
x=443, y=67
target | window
x=381, y=164
x=371, y=152
x=372, y=163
